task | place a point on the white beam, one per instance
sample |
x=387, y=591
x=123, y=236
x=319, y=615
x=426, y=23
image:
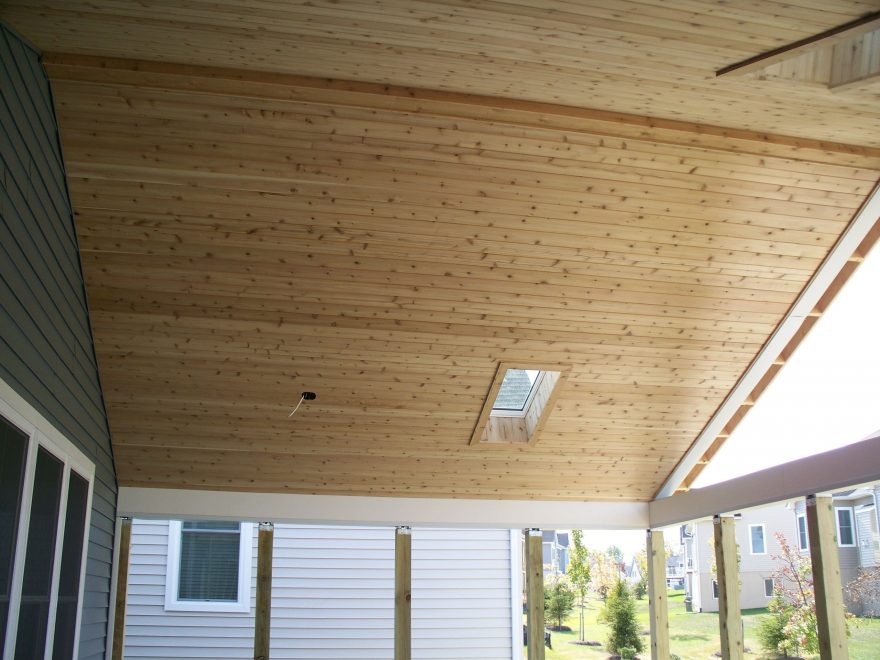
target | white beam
x=161, y=503
x=852, y=236
x=833, y=470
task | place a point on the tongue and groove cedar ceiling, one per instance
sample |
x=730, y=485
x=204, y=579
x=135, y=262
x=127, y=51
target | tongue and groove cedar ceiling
x=380, y=201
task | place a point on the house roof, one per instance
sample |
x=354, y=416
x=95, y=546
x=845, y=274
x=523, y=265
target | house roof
x=379, y=203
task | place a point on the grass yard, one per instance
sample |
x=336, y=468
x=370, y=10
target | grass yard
x=695, y=636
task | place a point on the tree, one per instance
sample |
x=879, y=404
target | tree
x=579, y=575
x=558, y=600
x=641, y=587
x=615, y=553
x=865, y=590
x=620, y=614
x=791, y=625
x=604, y=573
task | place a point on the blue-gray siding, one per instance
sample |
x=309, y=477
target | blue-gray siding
x=46, y=351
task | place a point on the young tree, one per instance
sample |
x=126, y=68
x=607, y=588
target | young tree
x=620, y=614
x=641, y=587
x=791, y=624
x=604, y=573
x=579, y=575
x=558, y=600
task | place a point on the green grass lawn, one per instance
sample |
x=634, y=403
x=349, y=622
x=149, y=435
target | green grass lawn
x=695, y=636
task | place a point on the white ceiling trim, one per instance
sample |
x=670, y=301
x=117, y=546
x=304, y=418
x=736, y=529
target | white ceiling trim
x=177, y=504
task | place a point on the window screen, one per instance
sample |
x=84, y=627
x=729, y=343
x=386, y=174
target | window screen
x=71, y=564
x=209, y=561
x=768, y=587
x=33, y=616
x=13, y=451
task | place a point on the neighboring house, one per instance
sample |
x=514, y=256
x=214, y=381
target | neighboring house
x=192, y=589
x=857, y=538
x=632, y=572
x=556, y=552
x=675, y=571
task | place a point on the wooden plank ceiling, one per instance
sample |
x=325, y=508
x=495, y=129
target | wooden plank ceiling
x=248, y=233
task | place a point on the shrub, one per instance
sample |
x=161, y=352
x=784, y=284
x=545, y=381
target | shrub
x=627, y=653
x=559, y=600
x=620, y=614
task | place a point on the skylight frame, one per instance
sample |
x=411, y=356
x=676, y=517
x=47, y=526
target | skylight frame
x=505, y=429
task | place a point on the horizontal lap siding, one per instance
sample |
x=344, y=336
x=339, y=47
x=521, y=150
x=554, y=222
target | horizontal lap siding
x=151, y=632
x=461, y=594
x=333, y=597
x=333, y=592
x=46, y=351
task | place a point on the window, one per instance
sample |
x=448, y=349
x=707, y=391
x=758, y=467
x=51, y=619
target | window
x=45, y=506
x=516, y=391
x=768, y=587
x=803, y=536
x=846, y=535
x=757, y=542
x=518, y=404
x=209, y=566
x=715, y=589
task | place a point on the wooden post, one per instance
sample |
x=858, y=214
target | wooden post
x=729, y=615
x=121, y=589
x=535, y=593
x=263, y=612
x=657, y=596
x=403, y=594
x=830, y=613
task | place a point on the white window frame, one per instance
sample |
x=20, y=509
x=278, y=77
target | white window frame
x=41, y=433
x=803, y=541
x=772, y=587
x=172, y=574
x=763, y=539
x=852, y=525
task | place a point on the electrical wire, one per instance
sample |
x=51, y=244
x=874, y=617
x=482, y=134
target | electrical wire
x=302, y=398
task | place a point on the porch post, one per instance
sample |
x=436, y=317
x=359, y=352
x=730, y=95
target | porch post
x=263, y=611
x=657, y=596
x=535, y=593
x=403, y=594
x=729, y=615
x=121, y=589
x=830, y=617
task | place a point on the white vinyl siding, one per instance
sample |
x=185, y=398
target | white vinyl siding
x=333, y=597
x=461, y=594
x=869, y=539
x=153, y=632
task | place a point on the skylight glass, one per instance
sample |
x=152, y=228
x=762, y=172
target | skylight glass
x=516, y=388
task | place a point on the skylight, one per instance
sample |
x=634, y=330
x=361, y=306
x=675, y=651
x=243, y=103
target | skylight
x=518, y=404
x=516, y=389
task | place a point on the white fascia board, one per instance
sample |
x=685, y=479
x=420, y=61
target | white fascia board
x=177, y=504
x=830, y=471
x=852, y=236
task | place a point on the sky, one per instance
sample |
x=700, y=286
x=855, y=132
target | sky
x=828, y=393
x=826, y=396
